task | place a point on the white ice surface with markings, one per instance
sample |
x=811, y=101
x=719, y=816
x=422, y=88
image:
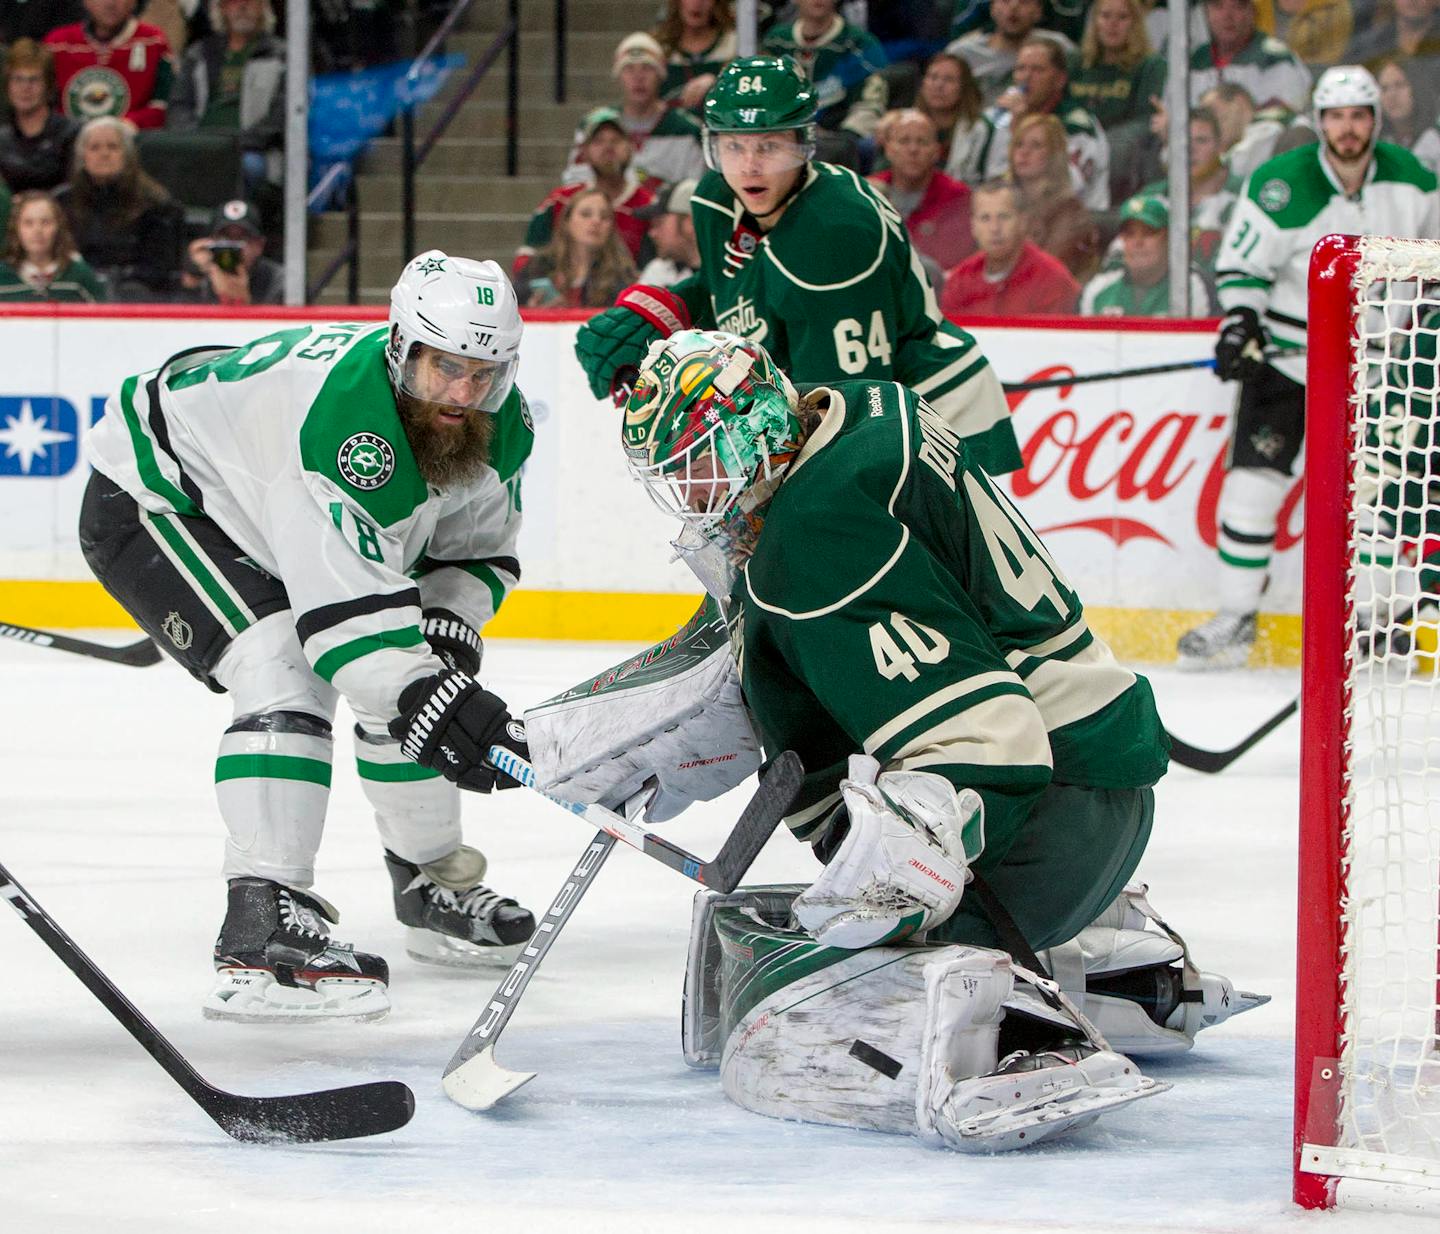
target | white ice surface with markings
x=107, y=817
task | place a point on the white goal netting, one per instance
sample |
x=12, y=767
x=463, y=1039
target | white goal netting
x=1389, y=1066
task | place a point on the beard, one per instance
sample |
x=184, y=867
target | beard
x=447, y=456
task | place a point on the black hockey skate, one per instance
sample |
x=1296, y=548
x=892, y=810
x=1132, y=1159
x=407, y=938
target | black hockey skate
x=453, y=919
x=1220, y=643
x=275, y=961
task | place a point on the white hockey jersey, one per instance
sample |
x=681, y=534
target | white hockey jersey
x=293, y=446
x=1287, y=204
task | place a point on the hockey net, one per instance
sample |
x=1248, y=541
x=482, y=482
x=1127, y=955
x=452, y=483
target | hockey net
x=1367, y=1070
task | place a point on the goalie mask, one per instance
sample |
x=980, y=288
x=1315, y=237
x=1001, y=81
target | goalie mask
x=454, y=332
x=709, y=430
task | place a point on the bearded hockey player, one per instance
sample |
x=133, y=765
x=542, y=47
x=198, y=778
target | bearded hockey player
x=810, y=260
x=1351, y=183
x=897, y=623
x=332, y=510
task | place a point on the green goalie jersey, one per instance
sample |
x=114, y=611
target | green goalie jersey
x=898, y=604
x=834, y=292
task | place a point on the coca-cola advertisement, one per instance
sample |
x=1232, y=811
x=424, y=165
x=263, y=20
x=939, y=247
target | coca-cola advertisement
x=1122, y=477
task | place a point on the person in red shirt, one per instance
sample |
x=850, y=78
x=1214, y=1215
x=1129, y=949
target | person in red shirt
x=935, y=207
x=112, y=65
x=1009, y=276
x=606, y=151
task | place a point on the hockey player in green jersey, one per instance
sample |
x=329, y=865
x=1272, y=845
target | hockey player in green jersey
x=332, y=510
x=810, y=260
x=898, y=624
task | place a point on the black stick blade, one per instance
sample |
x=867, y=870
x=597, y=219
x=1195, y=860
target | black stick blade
x=309, y=1118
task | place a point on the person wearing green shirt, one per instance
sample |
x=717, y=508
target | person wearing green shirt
x=808, y=258
x=39, y=260
x=1140, y=286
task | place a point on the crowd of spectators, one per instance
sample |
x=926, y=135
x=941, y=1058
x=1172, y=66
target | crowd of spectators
x=91, y=86
x=1022, y=142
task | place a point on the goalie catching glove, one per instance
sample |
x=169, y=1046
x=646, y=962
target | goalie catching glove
x=448, y=722
x=612, y=344
x=902, y=866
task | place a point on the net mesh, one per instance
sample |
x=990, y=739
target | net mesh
x=1389, y=1097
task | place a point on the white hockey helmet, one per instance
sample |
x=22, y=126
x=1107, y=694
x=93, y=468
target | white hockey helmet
x=465, y=308
x=1346, y=85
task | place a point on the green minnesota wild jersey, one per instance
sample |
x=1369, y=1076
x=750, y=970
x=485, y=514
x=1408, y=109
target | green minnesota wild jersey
x=292, y=444
x=834, y=292
x=899, y=605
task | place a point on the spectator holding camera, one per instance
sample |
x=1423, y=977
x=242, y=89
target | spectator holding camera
x=110, y=64
x=229, y=264
x=585, y=264
x=37, y=143
x=125, y=223
x=39, y=260
x=234, y=79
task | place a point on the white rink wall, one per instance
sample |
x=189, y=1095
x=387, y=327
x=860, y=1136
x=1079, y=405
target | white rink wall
x=1121, y=477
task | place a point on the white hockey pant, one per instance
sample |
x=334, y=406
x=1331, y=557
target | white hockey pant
x=272, y=774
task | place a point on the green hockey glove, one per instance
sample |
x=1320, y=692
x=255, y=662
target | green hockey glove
x=612, y=344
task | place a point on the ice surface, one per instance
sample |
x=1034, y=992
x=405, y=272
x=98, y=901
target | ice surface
x=107, y=817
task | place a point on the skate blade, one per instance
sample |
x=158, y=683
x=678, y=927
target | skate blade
x=253, y=996
x=480, y=1083
x=1244, y=1000
x=1047, y=1115
x=442, y=951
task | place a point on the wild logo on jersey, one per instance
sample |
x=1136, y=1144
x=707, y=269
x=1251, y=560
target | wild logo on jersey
x=743, y=318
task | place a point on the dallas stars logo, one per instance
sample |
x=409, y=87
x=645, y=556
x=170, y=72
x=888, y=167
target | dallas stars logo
x=366, y=460
x=432, y=265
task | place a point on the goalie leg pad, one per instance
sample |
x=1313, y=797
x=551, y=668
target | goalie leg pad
x=1133, y=977
x=896, y=1039
x=902, y=865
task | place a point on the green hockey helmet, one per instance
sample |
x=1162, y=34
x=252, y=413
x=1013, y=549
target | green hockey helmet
x=760, y=94
x=710, y=428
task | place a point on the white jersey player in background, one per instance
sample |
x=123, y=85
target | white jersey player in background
x=332, y=510
x=1349, y=182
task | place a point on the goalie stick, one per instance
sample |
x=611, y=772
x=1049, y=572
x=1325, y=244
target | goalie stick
x=473, y=1078
x=139, y=654
x=330, y=1114
x=1211, y=761
x=781, y=779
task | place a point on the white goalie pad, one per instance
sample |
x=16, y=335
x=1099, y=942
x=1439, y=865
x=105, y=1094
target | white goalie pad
x=673, y=714
x=897, y=1039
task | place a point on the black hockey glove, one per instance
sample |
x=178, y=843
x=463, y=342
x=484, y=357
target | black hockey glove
x=452, y=639
x=447, y=722
x=1240, y=349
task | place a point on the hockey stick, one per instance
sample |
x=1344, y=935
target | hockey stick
x=781, y=780
x=140, y=654
x=1152, y=370
x=331, y=1114
x=1211, y=761
x=473, y=1078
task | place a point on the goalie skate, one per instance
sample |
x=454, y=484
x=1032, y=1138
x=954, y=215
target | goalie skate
x=1222, y=642
x=452, y=919
x=276, y=963
x=1033, y=1096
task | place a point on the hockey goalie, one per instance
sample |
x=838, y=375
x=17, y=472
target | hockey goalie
x=972, y=964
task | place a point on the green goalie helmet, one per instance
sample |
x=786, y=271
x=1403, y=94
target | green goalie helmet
x=760, y=94
x=710, y=428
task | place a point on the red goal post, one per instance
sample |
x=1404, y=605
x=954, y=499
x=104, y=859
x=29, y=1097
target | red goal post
x=1367, y=1068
